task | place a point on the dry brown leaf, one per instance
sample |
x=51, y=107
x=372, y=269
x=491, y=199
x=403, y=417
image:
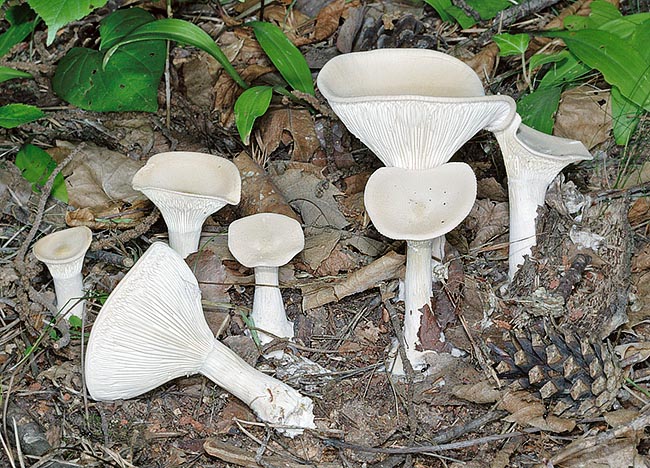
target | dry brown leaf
x=292, y=22
x=489, y=220
x=311, y=194
x=526, y=410
x=639, y=177
x=115, y=216
x=639, y=211
x=199, y=76
x=483, y=63
x=211, y=275
x=337, y=261
x=490, y=188
x=350, y=28
x=298, y=123
x=620, y=417
x=319, y=244
x=639, y=351
x=101, y=177
x=612, y=453
x=258, y=192
x=480, y=392
x=584, y=114
x=430, y=331
x=226, y=91
x=641, y=260
x=327, y=22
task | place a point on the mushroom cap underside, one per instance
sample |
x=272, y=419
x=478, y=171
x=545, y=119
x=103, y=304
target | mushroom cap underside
x=265, y=239
x=551, y=146
x=199, y=174
x=409, y=204
x=63, y=246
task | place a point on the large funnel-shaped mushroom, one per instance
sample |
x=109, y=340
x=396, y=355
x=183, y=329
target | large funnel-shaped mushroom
x=413, y=108
x=532, y=159
x=187, y=188
x=63, y=252
x=265, y=242
x=152, y=329
x=418, y=206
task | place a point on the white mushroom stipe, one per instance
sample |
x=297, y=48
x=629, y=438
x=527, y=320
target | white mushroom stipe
x=266, y=241
x=188, y=187
x=152, y=330
x=413, y=108
x=63, y=252
x=532, y=159
x=418, y=206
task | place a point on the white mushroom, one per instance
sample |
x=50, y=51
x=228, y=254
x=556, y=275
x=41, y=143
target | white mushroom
x=418, y=206
x=266, y=241
x=187, y=188
x=152, y=330
x=413, y=108
x=63, y=252
x=532, y=159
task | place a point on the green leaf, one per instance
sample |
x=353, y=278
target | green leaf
x=120, y=24
x=253, y=103
x=36, y=166
x=566, y=71
x=625, y=117
x=538, y=108
x=7, y=73
x=58, y=13
x=285, y=56
x=463, y=19
x=441, y=8
x=128, y=83
x=181, y=31
x=626, y=26
x=620, y=65
x=488, y=9
x=75, y=322
x=19, y=14
x=13, y=115
x=601, y=13
x=641, y=40
x=512, y=44
x=22, y=22
x=538, y=60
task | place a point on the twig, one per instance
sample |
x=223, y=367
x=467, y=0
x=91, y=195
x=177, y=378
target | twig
x=430, y=448
x=462, y=4
x=456, y=431
x=127, y=235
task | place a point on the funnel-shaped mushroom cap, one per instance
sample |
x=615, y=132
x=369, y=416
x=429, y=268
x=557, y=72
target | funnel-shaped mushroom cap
x=150, y=330
x=199, y=175
x=416, y=205
x=265, y=240
x=63, y=251
x=413, y=108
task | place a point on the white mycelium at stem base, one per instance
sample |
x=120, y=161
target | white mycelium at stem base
x=532, y=159
x=188, y=187
x=63, y=252
x=266, y=241
x=418, y=206
x=152, y=330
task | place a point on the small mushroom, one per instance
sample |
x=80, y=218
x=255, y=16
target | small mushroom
x=413, y=108
x=266, y=241
x=63, y=252
x=187, y=188
x=532, y=159
x=152, y=330
x=418, y=206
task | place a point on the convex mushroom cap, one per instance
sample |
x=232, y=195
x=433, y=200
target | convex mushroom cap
x=63, y=252
x=152, y=329
x=266, y=241
x=413, y=108
x=188, y=187
x=419, y=206
x=532, y=159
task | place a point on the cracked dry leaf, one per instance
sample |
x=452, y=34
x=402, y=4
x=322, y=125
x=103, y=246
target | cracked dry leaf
x=584, y=114
x=288, y=125
x=319, y=244
x=309, y=193
x=489, y=219
x=101, y=177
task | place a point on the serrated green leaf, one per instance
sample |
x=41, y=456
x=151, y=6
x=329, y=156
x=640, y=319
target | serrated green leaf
x=512, y=44
x=14, y=115
x=538, y=108
x=285, y=56
x=625, y=117
x=128, y=83
x=36, y=166
x=620, y=65
x=7, y=73
x=58, y=13
x=251, y=104
x=181, y=31
x=566, y=71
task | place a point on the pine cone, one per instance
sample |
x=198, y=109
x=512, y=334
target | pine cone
x=577, y=377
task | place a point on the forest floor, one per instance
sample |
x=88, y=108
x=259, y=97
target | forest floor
x=341, y=291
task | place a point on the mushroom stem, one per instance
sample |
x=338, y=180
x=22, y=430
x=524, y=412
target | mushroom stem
x=186, y=241
x=69, y=294
x=268, y=307
x=270, y=399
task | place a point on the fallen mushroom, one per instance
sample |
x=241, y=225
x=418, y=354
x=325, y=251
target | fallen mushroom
x=532, y=159
x=63, y=252
x=418, y=206
x=413, y=108
x=265, y=242
x=152, y=330
x=187, y=188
